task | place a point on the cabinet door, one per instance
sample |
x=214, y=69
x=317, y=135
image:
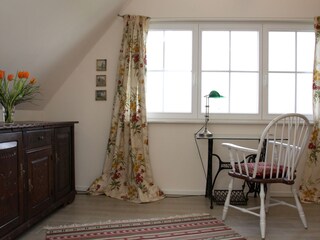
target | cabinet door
x=11, y=182
x=40, y=194
x=63, y=162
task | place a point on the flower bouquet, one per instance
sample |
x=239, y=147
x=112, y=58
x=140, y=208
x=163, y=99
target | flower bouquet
x=15, y=89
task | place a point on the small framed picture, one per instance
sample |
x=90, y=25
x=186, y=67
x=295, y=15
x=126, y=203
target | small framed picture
x=101, y=80
x=101, y=95
x=101, y=64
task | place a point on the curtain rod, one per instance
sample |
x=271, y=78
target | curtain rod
x=229, y=19
x=223, y=19
x=119, y=15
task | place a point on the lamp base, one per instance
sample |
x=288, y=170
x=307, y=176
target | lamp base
x=205, y=134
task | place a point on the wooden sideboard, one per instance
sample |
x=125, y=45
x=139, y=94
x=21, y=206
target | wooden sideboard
x=36, y=173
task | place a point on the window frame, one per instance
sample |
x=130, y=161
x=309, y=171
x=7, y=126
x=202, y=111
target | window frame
x=284, y=27
x=197, y=27
x=231, y=26
x=179, y=116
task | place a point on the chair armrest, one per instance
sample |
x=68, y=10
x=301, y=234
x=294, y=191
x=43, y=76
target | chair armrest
x=238, y=157
x=240, y=148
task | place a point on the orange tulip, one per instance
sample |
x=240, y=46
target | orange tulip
x=26, y=74
x=20, y=74
x=10, y=77
x=2, y=73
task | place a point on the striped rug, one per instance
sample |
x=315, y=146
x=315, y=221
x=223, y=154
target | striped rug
x=186, y=227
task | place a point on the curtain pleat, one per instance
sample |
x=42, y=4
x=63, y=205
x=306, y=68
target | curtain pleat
x=127, y=172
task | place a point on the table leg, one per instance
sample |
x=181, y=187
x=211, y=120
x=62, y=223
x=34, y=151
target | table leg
x=209, y=170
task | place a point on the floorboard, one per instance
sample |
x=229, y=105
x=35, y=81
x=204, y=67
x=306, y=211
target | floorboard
x=282, y=222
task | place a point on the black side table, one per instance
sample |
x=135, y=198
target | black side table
x=238, y=196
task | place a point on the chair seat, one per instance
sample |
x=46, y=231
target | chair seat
x=260, y=169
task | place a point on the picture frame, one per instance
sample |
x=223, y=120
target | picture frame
x=101, y=65
x=101, y=95
x=101, y=80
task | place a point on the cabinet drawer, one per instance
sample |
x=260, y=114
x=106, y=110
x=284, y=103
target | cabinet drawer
x=38, y=138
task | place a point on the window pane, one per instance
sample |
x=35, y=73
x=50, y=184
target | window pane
x=281, y=51
x=177, y=92
x=154, y=92
x=244, y=51
x=305, y=51
x=178, y=50
x=155, y=50
x=169, y=92
x=281, y=93
x=215, y=50
x=218, y=81
x=304, y=93
x=169, y=77
x=244, y=93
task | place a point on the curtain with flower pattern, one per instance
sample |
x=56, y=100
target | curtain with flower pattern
x=310, y=187
x=127, y=171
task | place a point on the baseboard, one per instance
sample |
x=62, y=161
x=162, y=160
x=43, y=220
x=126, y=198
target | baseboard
x=183, y=192
x=194, y=192
x=83, y=189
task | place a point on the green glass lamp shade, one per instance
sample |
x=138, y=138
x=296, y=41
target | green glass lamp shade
x=215, y=94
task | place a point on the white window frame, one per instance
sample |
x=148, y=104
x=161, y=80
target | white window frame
x=172, y=117
x=267, y=27
x=197, y=27
x=227, y=26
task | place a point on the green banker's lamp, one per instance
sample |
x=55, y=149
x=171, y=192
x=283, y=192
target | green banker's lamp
x=206, y=133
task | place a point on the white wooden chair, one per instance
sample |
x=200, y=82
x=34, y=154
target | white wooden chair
x=277, y=157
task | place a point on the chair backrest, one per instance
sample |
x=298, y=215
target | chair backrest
x=280, y=147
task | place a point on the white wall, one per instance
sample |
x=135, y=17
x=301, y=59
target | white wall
x=75, y=101
x=47, y=45
x=174, y=157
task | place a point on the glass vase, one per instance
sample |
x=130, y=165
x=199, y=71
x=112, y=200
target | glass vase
x=8, y=114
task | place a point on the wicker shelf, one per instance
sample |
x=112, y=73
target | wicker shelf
x=237, y=197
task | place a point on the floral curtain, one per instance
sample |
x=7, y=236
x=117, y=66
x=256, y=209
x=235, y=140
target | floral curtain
x=310, y=187
x=127, y=171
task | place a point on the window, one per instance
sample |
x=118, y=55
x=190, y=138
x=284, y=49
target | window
x=229, y=61
x=260, y=69
x=170, y=72
x=290, y=67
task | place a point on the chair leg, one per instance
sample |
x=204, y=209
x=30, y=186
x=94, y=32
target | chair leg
x=268, y=197
x=227, y=202
x=299, y=207
x=262, y=212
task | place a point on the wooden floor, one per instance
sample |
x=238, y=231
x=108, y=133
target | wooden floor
x=282, y=222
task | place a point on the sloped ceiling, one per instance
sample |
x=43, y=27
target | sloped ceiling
x=49, y=38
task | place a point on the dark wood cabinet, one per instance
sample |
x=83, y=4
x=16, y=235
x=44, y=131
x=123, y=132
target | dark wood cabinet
x=36, y=173
x=64, y=181
x=11, y=182
x=39, y=182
